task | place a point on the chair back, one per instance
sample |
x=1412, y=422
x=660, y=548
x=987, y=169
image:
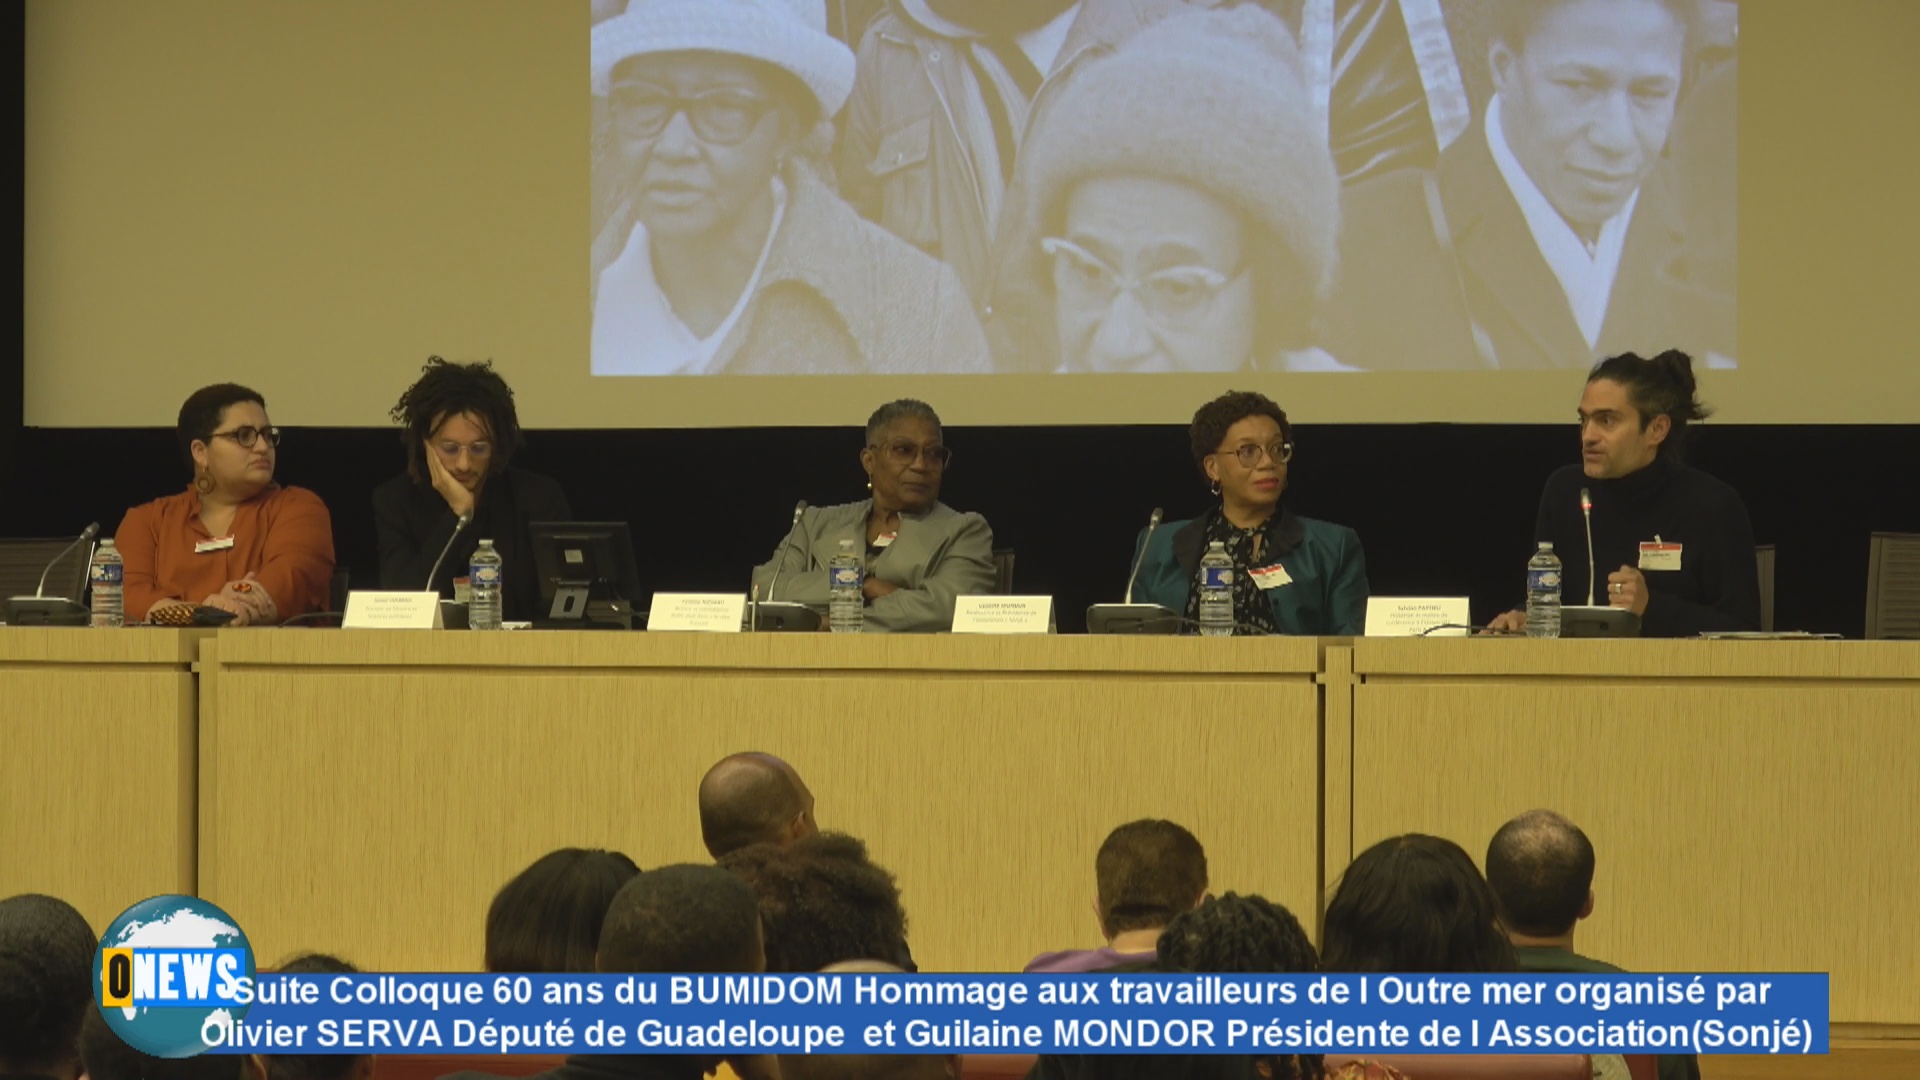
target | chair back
x=1763, y=557
x=23, y=560
x=1893, y=585
x=1003, y=572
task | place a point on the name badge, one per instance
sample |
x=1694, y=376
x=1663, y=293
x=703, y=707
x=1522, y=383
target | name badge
x=218, y=544
x=1271, y=577
x=885, y=539
x=1659, y=556
x=1003, y=615
x=392, y=611
x=713, y=613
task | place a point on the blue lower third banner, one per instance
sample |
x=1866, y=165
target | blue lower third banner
x=1062, y=1014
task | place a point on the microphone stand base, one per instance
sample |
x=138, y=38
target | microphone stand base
x=43, y=611
x=1132, y=619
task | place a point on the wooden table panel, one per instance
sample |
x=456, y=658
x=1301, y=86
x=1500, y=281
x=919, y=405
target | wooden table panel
x=417, y=772
x=96, y=765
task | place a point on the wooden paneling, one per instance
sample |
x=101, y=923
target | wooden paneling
x=1742, y=823
x=96, y=765
x=367, y=793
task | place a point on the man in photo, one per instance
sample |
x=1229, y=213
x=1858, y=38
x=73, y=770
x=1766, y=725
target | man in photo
x=1549, y=234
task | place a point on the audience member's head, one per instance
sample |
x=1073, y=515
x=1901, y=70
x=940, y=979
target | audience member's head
x=548, y=918
x=1414, y=903
x=311, y=1066
x=823, y=901
x=46, y=985
x=1147, y=872
x=1243, y=935
x=683, y=918
x=106, y=1057
x=753, y=798
x=1237, y=935
x=1540, y=867
x=868, y=1066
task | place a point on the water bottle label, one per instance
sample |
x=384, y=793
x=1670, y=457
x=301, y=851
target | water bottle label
x=106, y=573
x=1216, y=577
x=1543, y=581
x=846, y=577
x=484, y=574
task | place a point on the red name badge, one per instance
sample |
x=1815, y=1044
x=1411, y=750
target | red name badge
x=1659, y=555
x=1271, y=577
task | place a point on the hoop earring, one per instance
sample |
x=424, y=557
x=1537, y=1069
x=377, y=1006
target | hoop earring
x=1213, y=488
x=202, y=482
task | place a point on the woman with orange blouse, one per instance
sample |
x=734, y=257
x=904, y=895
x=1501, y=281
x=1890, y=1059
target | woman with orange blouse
x=235, y=539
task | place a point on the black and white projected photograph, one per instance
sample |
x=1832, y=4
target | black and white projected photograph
x=838, y=187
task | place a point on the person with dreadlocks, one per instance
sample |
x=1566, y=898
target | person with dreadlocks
x=460, y=432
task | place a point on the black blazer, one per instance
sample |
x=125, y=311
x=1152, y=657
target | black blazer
x=414, y=523
x=1409, y=301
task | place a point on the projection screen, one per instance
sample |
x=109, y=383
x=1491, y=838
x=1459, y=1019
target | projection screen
x=1035, y=213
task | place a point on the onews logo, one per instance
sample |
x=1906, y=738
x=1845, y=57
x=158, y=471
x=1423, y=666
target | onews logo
x=170, y=967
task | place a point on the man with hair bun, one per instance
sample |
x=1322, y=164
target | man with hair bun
x=1675, y=545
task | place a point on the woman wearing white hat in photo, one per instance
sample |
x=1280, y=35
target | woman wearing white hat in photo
x=725, y=251
x=1175, y=209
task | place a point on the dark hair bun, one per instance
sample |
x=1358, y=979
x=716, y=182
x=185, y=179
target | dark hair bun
x=1678, y=366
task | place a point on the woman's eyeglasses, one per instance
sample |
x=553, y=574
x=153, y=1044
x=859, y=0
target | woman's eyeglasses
x=1175, y=297
x=1249, y=453
x=902, y=454
x=719, y=117
x=249, y=435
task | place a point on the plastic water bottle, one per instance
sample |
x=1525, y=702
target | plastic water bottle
x=847, y=604
x=1543, y=593
x=1216, y=591
x=483, y=611
x=105, y=574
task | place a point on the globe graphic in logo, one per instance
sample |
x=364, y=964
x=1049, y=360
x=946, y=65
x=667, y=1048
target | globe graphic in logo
x=170, y=922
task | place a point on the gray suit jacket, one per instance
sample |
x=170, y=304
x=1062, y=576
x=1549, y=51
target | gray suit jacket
x=938, y=556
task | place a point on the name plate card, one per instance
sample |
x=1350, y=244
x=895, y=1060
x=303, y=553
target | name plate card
x=1003, y=615
x=707, y=613
x=1413, y=616
x=392, y=611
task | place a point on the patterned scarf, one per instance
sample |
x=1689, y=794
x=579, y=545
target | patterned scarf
x=1251, y=610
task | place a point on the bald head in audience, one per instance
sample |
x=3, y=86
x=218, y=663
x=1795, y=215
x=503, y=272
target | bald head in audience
x=1540, y=866
x=753, y=798
x=868, y=1066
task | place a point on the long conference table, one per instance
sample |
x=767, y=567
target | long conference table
x=1755, y=805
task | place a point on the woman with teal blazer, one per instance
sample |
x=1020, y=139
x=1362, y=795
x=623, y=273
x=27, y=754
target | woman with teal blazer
x=1292, y=575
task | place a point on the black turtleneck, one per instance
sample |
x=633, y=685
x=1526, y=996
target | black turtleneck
x=1718, y=584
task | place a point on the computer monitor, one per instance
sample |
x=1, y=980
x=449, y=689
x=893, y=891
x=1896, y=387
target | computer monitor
x=588, y=578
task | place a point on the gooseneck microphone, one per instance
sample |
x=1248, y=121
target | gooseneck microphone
x=786, y=545
x=459, y=527
x=1586, y=513
x=86, y=534
x=1153, y=522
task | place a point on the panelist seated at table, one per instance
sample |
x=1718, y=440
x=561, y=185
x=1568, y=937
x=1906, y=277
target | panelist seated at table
x=1291, y=574
x=235, y=539
x=1670, y=543
x=461, y=431
x=920, y=554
